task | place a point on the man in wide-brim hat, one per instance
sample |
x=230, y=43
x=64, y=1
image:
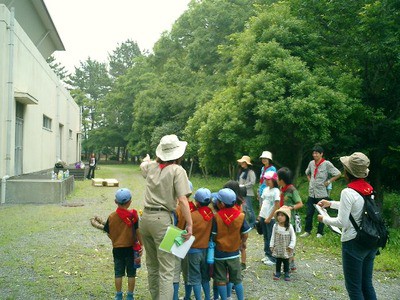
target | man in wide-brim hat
x=166, y=182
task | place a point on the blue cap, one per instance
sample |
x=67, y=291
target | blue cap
x=203, y=195
x=226, y=196
x=123, y=195
x=214, y=197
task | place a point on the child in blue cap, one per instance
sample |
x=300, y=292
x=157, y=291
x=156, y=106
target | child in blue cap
x=230, y=231
x=122, y=227
x=197, y=269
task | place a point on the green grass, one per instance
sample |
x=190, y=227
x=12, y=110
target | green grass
x=50, y=251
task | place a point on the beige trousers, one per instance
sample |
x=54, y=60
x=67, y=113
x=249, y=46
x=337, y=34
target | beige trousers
x=160, y=264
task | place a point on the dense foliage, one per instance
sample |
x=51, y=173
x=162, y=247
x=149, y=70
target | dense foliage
x=239, y=77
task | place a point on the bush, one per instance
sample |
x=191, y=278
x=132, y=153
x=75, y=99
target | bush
x=391, y=209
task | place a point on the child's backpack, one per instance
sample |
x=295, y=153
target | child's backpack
x=372, y=232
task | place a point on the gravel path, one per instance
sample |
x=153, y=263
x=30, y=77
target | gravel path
x=318, y=278
x=68, y=256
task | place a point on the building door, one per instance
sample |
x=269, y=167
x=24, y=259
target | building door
x=19, y=126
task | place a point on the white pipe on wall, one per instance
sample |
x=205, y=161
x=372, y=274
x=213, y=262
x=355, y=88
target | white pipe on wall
x=3, y=188
x=10, y=85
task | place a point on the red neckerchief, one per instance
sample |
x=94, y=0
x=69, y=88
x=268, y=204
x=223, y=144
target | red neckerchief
x=317, y=165
x=206, y=213
x=228, y=215
x=128, y=216
x=238, y=207
x=361, y=186
x=162, y=166
x=192, y=206
x=283, y=190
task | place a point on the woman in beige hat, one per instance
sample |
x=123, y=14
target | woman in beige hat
x=166, y=181
x=247, y=178
x=358, y=262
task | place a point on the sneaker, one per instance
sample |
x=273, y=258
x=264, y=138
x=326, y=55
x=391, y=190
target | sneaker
x=319, y=235
x=129, y=296
x=269, y=263
x=305, y=234
x=264, y=259
x=287, y=277
x=118, y=296
x=276, y=276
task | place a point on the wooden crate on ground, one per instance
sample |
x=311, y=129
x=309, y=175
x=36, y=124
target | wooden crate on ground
x=110, y=182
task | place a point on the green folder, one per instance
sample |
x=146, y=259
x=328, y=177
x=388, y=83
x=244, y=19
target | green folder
x=169, y=238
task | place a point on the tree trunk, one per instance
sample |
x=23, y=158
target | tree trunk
x=299, y=160
x=376, y=177
x=191, y=167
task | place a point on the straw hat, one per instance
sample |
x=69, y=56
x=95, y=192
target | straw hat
x=170, y=148
x=266, y=154
x=357, y=164
x=284, y=210
x=245, y=159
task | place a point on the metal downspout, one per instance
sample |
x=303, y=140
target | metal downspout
x=10, y=84
x=57, y=127
x=3, y=188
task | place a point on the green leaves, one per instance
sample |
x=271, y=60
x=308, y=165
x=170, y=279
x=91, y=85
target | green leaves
x=235, y=77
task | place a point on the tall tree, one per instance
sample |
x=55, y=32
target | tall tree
x=123, y=58
x=119, y=105
x=273, y=98
x=363, y=37
x=92, y=79
x=58, y=68
x=187, y=68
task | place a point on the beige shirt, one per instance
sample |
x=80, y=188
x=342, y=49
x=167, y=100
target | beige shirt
x=164, y=186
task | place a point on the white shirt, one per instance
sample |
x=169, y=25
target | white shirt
x=350, y=202
x=269, y=197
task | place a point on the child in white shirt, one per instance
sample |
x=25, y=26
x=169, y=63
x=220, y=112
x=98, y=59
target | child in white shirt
x=270, y=198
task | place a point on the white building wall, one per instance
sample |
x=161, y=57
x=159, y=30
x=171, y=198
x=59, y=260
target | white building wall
x=33, y=76
x=3, y=89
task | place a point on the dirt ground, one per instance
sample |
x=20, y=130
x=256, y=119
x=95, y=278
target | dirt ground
x=58, y=255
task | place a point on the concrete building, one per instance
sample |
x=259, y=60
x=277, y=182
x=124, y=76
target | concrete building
x=39, y=120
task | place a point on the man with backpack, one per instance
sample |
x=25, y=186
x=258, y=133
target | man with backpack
x=358, y=260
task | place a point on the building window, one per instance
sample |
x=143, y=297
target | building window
x=46, y=122
x=70, y=134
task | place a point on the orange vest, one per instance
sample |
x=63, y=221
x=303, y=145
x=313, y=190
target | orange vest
x=201, y=230
x=228, y=238
x=121, y=235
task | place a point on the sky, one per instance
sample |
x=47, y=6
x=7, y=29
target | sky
x=94, y=28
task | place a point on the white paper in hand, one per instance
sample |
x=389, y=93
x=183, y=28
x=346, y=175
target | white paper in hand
x=182, y=250
x=322, y=211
